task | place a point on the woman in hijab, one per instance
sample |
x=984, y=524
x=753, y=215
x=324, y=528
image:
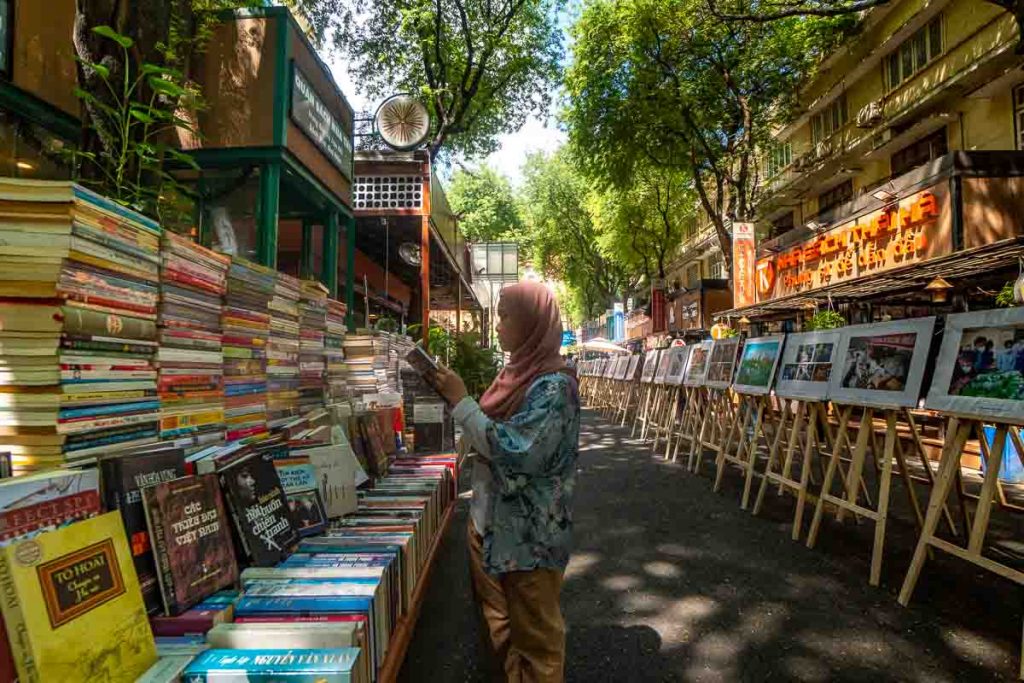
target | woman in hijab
x=525, y=431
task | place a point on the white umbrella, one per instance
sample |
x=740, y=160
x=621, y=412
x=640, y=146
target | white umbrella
x=602, y=345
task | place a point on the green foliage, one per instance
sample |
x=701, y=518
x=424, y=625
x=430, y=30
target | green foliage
x=1005, y=296
x=481, y=67
x=136, y=113
x=730, y=332
x=825, y=320
x=665, y=82
x=486, y=206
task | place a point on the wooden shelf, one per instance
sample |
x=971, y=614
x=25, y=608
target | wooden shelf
x=402, y=634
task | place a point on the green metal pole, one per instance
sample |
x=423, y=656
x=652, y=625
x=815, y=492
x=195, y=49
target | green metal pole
x=350, y=271
x=329, y=276
x=270, y=189
x=306, y=259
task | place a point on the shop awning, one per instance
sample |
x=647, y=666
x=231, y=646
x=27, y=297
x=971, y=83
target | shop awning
x=602, y=345
x=964, y=264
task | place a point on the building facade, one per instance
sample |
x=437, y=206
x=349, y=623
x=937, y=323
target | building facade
x=904, y=166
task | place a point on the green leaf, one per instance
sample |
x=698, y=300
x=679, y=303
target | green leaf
x=182, y=157
x=102, y=70
x=141, y=115
x=165, y=87
x=108, y=32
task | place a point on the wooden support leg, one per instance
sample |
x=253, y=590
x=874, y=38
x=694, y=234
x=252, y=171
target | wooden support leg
x=830, y=471
x=949, y=464
x=883, y=498
x=983, y=512
x=856, y=470
x=751, y=454
x=810, y=447
x=773, y=456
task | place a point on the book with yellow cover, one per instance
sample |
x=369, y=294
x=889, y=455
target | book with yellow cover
x=72, y=605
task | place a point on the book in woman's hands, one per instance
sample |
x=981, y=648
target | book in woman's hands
x=426, y=366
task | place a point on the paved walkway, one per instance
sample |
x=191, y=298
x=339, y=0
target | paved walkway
x=671, y=582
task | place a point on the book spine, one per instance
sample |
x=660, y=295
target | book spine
x=80, y=321
x=240, y=524
x=158, y=539
x=14, y=622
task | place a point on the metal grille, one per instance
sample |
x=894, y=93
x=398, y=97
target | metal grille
x=388, y=192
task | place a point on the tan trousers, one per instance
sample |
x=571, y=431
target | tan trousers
x=523, y=618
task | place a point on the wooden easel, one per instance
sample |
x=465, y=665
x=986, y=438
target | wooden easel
x=688, y=425
x=848, y=502
x=630, y=385
x=643, y=407
x=664, y=413
x=958, y=432
x=756, y=410
x=719, y=412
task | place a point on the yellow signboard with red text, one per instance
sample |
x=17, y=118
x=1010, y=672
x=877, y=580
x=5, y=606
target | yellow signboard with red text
x=916, y=229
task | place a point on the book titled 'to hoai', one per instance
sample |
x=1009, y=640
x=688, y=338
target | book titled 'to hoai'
x=72, y=605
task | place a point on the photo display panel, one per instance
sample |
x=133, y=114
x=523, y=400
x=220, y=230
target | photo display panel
x=677, y=364
x=758, y=360
x=722, y=362
x=634, y=362
x=980, y=368
x=805, y=367
x=621, y=365
x=882, y=364
x=697, y=364
x=662, y=370
x=650, y=365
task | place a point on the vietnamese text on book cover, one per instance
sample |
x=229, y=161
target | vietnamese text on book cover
x=73, y=606
x=191, y=540
x=123, y=480
x=336, y=665
x=298, y=477
x=259, y=508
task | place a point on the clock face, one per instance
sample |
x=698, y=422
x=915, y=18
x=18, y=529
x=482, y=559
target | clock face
x=403, y=122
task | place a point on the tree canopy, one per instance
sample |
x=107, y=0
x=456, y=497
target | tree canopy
x=481, y=66
x=486, y=205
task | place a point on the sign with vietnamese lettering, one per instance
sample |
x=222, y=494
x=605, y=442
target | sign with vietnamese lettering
x=743, y=258
x=313, y=117
x=916, y=229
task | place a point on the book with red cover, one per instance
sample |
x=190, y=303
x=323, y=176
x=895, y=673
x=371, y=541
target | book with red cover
x=191, y=537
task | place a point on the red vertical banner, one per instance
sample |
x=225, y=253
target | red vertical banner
x=743, y=260
x=658, y=319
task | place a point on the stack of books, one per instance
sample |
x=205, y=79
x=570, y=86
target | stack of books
x=78, y=281
x=335, y=387
x=246, y=331
x=313, y=309
x=283, y=351
x=190, y=359
x=359, y=362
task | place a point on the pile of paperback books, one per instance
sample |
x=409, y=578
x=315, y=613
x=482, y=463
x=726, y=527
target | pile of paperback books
x=246, y=331
x=313, y=318
x=335, y=389
x=79, y=279
x=283, y=351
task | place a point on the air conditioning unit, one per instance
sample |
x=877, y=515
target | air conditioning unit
x=870, y=115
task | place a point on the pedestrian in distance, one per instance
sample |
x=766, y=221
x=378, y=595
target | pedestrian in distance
x=525, y=433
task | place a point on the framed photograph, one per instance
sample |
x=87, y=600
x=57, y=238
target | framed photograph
x=650, y=365
x=621, y=366
x=722, y=363
x=758, y=360
x=609, y=368
x=980, y=369
x=806, y=365
x=881, y=364
x=697, y=364
x=662, y=371
x=677, y=364
x=634, y=363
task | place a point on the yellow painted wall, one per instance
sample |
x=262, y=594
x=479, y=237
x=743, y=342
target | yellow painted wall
x=43, y=59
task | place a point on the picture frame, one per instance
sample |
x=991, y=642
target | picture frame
x=621, y=365
x=697, y=364
x=758, y=361
x=634, y=363
x=805, y=366
x=677, y=365
x=722, y=363
x=609, y=368
x=650, y=365
x=985, y=383
x=662, y=370
x=881, y=365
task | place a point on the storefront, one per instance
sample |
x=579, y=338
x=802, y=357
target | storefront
x=943, y=237
x=414, y=261
x=692, y=310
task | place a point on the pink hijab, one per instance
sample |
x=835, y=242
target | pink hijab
x=532, y=307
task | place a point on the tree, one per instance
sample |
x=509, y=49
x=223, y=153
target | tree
x=564, y=237
x=666, y=83
x=481, y=66
x=486, y=206
x=774, y=10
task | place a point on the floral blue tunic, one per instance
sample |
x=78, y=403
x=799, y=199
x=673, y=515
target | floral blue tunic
x=532, y=458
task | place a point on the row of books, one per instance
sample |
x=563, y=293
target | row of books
x=114, y=335
x=140, y=546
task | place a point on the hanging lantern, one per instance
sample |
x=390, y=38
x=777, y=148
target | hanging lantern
x=939, y=289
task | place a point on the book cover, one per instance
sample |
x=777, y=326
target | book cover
x=299, y=479
x=124, y=477
x=73, y=607
x=166, y=670
x=191, y=540
x=32, y=504
x=336, y=468
x=259, y=508
x=334, y=665
x=197, y=620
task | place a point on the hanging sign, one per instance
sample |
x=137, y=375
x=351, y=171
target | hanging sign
x=314, y=118
x=916, y=229
x=743, y=257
